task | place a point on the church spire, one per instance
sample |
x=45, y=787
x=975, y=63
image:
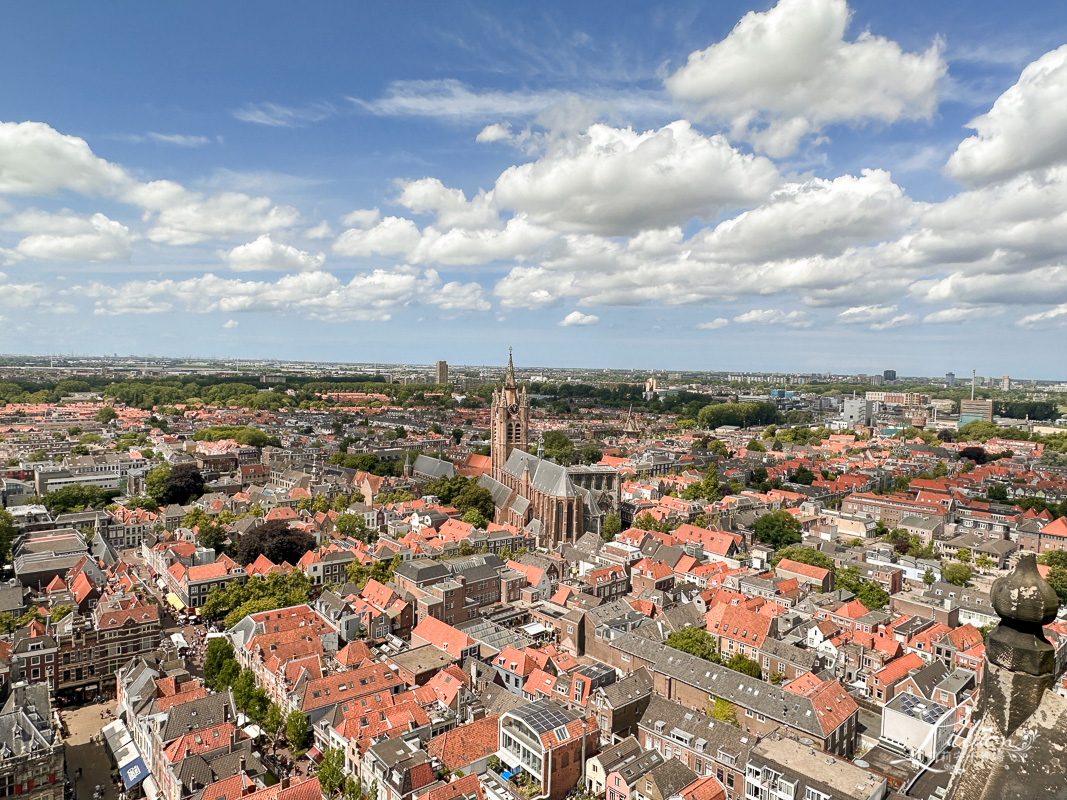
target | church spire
x=509, y=376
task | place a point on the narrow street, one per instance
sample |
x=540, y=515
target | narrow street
x=89, y=756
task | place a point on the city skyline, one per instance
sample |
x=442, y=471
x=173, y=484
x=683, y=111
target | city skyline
x=805, y=186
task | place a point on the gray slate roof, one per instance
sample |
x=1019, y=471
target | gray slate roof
x=433, y=467
x=545, y=476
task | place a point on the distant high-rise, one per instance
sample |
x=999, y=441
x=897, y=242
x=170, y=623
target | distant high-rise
x=976, y=410
x=1005, y=383
x=442, y=372
x=950, y=379
x=889, y=374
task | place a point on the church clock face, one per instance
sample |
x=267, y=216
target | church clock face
x=513, y=408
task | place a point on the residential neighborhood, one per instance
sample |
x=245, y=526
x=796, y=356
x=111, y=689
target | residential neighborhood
x=621, y=604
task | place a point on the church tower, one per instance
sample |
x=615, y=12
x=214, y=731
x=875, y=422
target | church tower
x=509, y=420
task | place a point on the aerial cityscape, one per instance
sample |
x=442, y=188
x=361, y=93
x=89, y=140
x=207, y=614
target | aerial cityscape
x=564, y=402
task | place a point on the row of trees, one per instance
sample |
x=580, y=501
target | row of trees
x=741, y=415
x=222, y=672
x=698, y=642
x=237, y=600
x=242, y=434
x=464, y=494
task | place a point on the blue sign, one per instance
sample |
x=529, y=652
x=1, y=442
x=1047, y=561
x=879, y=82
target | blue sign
x=134, y=772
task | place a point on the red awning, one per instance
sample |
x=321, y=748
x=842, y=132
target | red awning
x=315, y=754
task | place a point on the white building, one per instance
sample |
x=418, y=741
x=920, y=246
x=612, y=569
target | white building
x=919, y=728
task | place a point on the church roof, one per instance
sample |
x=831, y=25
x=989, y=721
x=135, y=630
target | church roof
x=545, y=476
x=433, y=467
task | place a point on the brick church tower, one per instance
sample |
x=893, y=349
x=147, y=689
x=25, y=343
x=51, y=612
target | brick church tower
x=509, y=421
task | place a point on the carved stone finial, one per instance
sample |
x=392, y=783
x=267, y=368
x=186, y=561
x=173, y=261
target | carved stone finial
x=1021, y=662
x=1025, y=602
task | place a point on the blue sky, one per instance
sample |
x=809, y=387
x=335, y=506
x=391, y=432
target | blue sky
x=807, y=185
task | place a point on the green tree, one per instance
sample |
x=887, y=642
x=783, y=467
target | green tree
x=959, y=574
x=243, y=688
x=105, y=415
x=296, y=730
x=227, y=676
x=242, y=434
x=276, y=540
x=929, y=577
x=474, y=517
x=611, y=527
x=695, y=641
x=983, y=561
x=590, y=454
x=7, y=535
x=473, y=496
x=332, y=772
x=355, y=527
x=155, y=482
x=273, y=725
x=1057, y=579
x=745, y=665
x=218, y=652
x=804, y=555
x=211, y=535
x=963, y=555
x=867, y=592
x=778, y=529
x=59, y=612
x=724, y=711
x=755, y=446
x=558, y=447
x=258, y=706
x=718, y=447
x=1053, y=558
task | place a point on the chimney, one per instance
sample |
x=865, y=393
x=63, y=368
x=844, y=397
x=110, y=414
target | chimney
x=284, y=782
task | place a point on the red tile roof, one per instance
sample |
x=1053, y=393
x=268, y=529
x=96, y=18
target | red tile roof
x=460, y=747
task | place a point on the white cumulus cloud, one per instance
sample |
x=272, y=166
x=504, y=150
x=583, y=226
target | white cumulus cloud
x=785, y=73
x=578, y=318
x=66, y=236
x=616, y=181
x=1052, y=317
x=774, y=316
x=266, y=254
x=36, y=159
x=714, y=324
x=1025, y=129
x=960, y=314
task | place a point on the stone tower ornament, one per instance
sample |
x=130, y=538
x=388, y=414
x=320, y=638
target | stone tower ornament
x=1021, y=660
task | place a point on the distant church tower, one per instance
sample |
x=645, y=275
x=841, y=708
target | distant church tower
x=509, y=421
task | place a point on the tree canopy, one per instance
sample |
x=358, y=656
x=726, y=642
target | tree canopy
x=238, y=600
x=959, y=574
x=867, y=592
x=242, y=434
x=276, y=540
x=695, y=641
x=778, y=529
x=178, y=484
x=804, y=555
